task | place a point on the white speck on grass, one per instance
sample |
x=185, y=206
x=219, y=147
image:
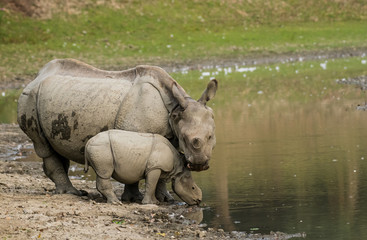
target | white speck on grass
x=364, y=61
x=260, y=92
x=246, y=69
x=323, y=65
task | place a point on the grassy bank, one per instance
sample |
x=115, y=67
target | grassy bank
x=282, y=83
x=128, y=33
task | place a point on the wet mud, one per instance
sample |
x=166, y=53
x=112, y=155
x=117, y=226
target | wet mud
x=359, y=82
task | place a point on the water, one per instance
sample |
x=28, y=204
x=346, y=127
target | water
x=290, y=168
x=291, y=152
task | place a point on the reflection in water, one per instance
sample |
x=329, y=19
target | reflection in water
x=290, y=168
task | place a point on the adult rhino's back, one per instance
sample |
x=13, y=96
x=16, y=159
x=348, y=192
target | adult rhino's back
x=70, y=102
x=73, y=109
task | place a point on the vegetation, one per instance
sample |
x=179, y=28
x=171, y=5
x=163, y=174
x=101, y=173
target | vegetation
x=118, y=34
x=299, y=82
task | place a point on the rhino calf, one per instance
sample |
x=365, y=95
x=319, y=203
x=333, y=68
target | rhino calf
x=130, y=156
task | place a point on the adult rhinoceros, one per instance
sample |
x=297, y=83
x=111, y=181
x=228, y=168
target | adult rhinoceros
x=69, y=102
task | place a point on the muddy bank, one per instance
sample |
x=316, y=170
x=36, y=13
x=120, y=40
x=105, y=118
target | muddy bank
x=30, y=210
x=359, y=82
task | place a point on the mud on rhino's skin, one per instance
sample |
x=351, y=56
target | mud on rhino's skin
x=23, y=122
x=60, y=126
x=72, y=101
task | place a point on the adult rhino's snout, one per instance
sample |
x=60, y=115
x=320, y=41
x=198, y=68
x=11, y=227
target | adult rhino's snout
x=204, y=159
x=197, y=143
x=198, y=167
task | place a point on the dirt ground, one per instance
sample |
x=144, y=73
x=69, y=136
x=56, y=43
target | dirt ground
x=30, y=210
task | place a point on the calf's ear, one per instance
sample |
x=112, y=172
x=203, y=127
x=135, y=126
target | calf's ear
x=209, y=92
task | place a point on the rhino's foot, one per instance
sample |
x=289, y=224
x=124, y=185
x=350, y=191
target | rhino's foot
x=148, y=200
x=164, y=197
x=71, y=190
x=114, y=201
x=132, y=193
x=131, y=197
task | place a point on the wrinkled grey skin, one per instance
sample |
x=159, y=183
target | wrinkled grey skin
x=69, y=102
x=129, y=157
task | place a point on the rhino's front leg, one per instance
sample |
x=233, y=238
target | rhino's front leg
x=132, y=193
x=161, y=192
x=104, y=186
x=150, y=186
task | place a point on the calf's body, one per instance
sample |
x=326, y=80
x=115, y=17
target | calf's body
x=129, y=157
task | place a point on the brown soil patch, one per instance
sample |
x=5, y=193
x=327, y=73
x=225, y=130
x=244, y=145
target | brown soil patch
x=45, y=9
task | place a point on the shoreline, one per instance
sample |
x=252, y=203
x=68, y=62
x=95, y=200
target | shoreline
x=249, y=60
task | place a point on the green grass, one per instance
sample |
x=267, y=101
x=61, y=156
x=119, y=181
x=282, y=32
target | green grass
x=299, y=82
x=178, y=31
x=296, y=83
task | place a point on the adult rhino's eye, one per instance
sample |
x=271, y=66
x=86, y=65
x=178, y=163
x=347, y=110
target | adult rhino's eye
x=193, y=188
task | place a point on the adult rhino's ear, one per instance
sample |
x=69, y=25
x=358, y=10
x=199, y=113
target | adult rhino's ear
x=209, y=92
x=179, y=96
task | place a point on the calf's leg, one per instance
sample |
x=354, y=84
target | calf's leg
x=99, y=155
x=104, y=186
x=150, y=186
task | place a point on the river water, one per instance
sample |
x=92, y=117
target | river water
x=282, y=165
x=289, y=168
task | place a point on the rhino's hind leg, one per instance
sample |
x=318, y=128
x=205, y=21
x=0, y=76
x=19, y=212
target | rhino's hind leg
x=56, y=168
x=132, y=193
x=104, y=186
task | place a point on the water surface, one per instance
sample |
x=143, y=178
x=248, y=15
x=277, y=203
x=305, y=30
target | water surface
x=290, y=168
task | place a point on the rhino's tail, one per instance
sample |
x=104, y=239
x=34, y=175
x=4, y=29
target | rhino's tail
x=86, y=166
